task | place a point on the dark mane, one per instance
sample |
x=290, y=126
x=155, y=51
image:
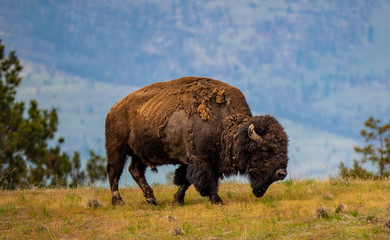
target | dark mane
x=236, y=149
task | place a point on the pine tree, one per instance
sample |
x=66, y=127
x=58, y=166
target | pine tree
x=96, y=169
x=377, y=152
x=25, y=156
x=10, y=115
x=78, y=176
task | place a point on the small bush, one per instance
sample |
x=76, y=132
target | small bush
x=387, y=225
x=340, y=208
x=372, y=219
x=356, y=172
x=177, y=231
x=322, y=213
x=93, y=203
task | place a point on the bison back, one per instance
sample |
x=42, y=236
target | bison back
x=146, y=112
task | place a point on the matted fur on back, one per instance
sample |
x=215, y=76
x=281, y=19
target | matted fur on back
x=151, y=106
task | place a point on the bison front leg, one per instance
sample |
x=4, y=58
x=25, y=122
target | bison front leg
x=205, y=181
x=137, y=170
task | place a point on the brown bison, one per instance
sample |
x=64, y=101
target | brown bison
x=203, y=125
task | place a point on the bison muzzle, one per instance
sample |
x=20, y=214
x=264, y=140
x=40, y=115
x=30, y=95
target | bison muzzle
x=203, y=125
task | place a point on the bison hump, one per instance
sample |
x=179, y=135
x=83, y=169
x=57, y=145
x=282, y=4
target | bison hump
x=154, y=104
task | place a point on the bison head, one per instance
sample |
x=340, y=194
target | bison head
x=263, y=147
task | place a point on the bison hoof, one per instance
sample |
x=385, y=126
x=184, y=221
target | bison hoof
x=117, y=202
x=151, y=201
x=218, y=203
x=216, y=200
x=178, y=202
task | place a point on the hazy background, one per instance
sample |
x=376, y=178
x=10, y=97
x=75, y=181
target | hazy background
x=320, y=67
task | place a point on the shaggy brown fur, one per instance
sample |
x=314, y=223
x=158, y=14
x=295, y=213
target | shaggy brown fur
x=154, y=104
x=199, y=123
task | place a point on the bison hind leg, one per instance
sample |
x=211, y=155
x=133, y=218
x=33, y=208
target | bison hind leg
x=137, y=170
x=115, y=162
x=180, y=179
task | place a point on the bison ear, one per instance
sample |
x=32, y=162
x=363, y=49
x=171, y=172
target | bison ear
x=253, y=135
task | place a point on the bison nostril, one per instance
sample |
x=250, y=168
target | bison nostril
x=281, y=174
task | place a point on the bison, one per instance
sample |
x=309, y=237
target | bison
x=203, y=125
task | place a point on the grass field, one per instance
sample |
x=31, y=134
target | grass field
x=293, y=209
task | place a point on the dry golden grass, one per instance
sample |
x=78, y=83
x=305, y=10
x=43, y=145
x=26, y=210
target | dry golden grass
x=294, y=209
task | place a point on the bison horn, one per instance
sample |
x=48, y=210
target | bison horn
x=253, y=135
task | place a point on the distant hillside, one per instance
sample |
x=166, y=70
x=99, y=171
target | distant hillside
x=306, y=61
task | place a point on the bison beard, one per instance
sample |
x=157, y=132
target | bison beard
x=203, y=125
x=258, y=187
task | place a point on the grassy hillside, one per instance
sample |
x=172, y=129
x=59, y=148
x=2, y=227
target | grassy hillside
x=293, y=209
